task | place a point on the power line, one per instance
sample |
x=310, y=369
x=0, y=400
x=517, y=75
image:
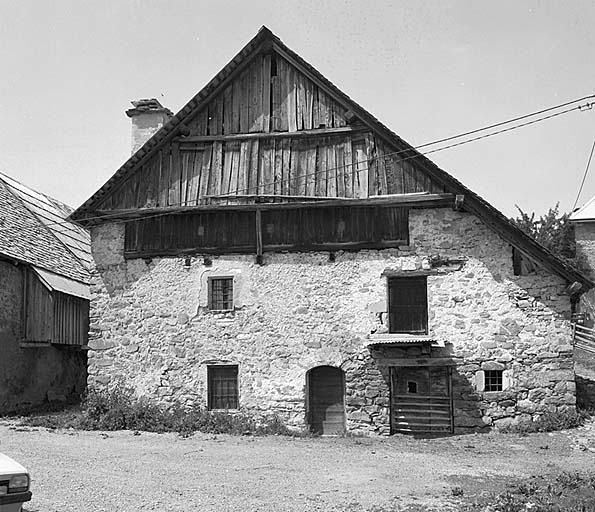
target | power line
x=584, y=176
x=408, y=150
x=520, y=118
x=396, y=153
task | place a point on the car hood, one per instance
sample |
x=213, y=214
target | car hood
x=9, y=466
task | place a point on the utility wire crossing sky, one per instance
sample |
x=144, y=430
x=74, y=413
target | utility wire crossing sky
x=426, y=69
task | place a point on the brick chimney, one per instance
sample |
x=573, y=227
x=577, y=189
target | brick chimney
x=148, y=116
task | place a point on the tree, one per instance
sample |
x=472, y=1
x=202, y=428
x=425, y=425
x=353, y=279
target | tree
x=553, y=230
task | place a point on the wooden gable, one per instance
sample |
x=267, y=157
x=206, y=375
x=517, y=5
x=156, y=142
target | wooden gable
x=269, y=130
x=355, y=157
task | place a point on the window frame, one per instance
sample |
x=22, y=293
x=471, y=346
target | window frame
x=391, y=280
x=214, y=398
x=493, y=379
x=211, y=302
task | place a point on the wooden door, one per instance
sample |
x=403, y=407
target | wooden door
x=421, y=399
x=326, y=404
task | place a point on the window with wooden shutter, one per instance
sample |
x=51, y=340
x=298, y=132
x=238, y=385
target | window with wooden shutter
x=223, y=387
x=408, y=305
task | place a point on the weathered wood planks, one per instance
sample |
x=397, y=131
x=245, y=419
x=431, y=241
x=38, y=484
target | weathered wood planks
x=270, y=130
x=341, y=227
x=341, y=164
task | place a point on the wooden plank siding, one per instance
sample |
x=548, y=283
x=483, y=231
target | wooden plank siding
x=262, y=135
x=71, y=319
x=54, y=317
x=276, y=230
x=39, y=310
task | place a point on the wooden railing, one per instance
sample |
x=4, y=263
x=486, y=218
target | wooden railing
x=584, y=338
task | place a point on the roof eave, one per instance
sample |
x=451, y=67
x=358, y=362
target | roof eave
x=169, y=130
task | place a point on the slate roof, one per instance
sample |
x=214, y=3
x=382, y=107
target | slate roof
x=266, y=40
x=34, y=230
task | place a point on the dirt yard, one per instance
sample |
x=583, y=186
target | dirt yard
x=121, y=471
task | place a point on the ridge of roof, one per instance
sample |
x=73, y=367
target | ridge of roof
x=29, y=236
x=266, y=39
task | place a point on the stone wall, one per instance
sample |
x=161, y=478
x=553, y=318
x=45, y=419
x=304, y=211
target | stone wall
x=30, y=377
x=152, y=330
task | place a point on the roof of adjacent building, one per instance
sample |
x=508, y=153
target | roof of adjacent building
x=264, y=41
x=34, y=229
x=585, y=213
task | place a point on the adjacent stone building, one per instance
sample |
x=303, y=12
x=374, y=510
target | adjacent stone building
x=275, y=248
x=44, y=299
x=583, y=221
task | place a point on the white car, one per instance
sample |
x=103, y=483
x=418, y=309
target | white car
x=14, y=485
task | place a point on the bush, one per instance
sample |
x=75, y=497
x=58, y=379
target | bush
x=549, y=422
x=568, y=492
x=120, y=409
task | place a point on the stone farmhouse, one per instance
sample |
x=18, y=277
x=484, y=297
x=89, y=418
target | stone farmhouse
x=44, y=299
x=273, y=247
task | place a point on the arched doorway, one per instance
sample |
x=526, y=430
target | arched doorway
x=326, y=408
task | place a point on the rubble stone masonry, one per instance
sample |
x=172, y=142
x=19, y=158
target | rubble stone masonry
x=151, y=328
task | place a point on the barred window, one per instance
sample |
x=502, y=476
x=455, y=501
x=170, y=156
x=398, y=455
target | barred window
x=221, y=293
x=222, y=387
x=493, y=380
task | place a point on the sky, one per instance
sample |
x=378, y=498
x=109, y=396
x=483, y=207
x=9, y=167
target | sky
x=426, y=69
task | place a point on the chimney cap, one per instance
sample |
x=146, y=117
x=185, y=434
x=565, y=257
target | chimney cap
x=147, y=105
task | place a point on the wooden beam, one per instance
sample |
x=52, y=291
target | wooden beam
x=324, y=247
x=318, y=132
x=409, y=200
x=419, y=361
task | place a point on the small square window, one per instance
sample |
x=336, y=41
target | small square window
x=493, y=380
x=221, y=293
x=222, y=387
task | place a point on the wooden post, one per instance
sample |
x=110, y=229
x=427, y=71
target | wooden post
x=258, y=217
x=25, y=273
x=451, y=401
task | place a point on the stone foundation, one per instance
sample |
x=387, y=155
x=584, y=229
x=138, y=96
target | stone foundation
x=151, y=327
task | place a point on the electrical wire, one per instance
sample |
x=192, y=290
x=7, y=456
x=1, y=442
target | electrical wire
x=390, y=155
x=584, y=176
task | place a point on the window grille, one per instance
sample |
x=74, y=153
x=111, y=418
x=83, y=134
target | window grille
x=221, y=293
x=493, y=380
x=223, y=387
x=408, y=305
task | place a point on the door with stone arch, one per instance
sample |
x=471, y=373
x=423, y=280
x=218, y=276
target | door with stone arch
x=326, y=400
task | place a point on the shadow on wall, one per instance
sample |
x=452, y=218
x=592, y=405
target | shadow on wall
x=585, y=392
x=44, y=377
x=428, y=394
x=584, y=368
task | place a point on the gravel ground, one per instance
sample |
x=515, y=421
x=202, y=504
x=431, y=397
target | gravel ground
x=121, y=471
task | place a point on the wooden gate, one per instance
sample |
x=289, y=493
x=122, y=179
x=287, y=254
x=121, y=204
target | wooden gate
x=325, y=400
x=421, y=399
